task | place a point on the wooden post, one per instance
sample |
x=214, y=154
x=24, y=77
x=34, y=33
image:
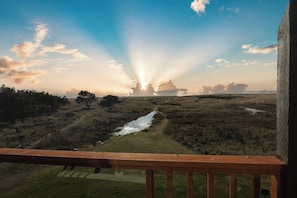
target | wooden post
x=256, y=179
x=190, y=185
x=210, y=185
x=287, y=96
x=149, y=184
x=232, y=186
x=169, y=184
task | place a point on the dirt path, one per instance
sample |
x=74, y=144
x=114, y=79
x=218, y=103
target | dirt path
x=75, y=122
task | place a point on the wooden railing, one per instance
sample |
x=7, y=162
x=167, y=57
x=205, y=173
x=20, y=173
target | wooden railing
x=210, y=164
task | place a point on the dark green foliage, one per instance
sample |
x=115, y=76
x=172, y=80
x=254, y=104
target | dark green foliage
x=23, y=103
x=109, y=101
x=85, y=97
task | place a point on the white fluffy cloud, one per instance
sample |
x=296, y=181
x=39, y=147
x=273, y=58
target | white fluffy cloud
x=220, y=62
x=258, y=50
x=27, y=48
x=199, y=5
x=60, y=48
x=29, y=52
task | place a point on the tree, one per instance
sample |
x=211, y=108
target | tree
x=21, y=104
x=109, y=101
x=85, y=97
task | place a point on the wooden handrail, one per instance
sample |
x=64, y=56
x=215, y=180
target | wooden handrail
x=253, y=165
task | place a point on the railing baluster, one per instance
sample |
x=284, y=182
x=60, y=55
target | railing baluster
x=210, y=185
x=169, y=184
x=254, y=165
x=277, y=186
x=149, y=184
x=256, y=186
x=190, y=192
x=232, y=186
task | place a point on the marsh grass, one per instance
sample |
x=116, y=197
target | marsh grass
x=206, y=125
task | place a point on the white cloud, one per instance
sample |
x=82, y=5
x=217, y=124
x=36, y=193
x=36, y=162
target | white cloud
x=248, y=62
x=235, y=10
x=220, y=60
x=24, y=49
x=199, y=6
x=258, y=50
x=41, y=32
x=27, y=48
x=60, y=48
x=114, y=64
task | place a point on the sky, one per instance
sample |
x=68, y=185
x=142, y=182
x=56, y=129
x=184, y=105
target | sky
x=106, y=47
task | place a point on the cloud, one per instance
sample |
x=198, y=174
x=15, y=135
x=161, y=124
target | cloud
x=61, y=49
x=220, y=88
x=27, y=48
x=139, y=91
x=224, y=63
x=10, y=69
x=199, y=6
x=41, y=31
x=258, y=50
x=220, y=60
x=168, y=85
x=24, y=49
x=206, y=89
x=229, y=9
x=235, y=88
x=19, y=76
x=235, y=10
x=6, y=63
x=167, y=88
x=72, y=93
x=248, y=62
x=115, y=65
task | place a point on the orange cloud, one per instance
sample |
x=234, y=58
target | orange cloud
x=27, y=48
x=258, y=50
x=19, y=76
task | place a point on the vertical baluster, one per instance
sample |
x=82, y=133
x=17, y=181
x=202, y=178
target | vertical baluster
x=277, y=186
x=210, y=185
x=149, y=184
x=190, y=193
x=232, y=186
x=256, y=186
x=169, y=184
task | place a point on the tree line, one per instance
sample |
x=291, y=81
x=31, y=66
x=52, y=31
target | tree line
x=20, y=104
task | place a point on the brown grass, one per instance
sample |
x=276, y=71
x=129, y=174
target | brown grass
x=204, y=125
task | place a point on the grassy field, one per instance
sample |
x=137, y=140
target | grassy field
x=204, y=125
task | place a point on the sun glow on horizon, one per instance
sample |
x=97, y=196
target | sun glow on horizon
x=143, y=85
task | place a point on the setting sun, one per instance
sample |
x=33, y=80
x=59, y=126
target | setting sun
x=143, y=85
